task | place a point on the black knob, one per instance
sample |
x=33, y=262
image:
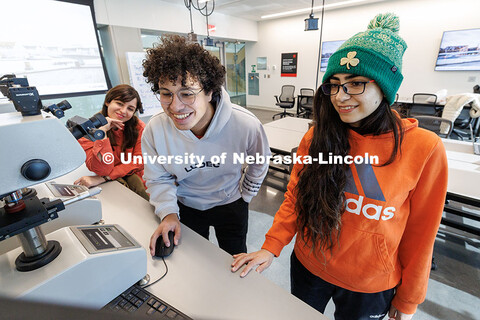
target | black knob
x=59, y=113
x=35, y=170
x=99, y=134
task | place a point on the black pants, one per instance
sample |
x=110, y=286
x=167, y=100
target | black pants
x=348, y=304
x=230, y=222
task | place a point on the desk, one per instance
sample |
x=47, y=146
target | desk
x=463, y=183
x=285, y=134
x=463, y=166
x=291, y=124
x=199, y=282
x=463, y=169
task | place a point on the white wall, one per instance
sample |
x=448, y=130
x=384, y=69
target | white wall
x=422, y=23
x=171, y=17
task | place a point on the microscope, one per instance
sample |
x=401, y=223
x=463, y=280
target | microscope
x=85, y=266
x=27, y=102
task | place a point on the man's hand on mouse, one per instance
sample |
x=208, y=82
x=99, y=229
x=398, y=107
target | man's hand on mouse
x=169, y=223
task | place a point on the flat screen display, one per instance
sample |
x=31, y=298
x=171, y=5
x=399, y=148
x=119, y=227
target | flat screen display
x=328, y=48
x=54, y=44
x=459, y=50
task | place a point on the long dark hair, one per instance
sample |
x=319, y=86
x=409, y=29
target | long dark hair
x=320, y=188
x=124, y=93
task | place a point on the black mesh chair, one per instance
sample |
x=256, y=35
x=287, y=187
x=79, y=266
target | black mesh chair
x=399, y=107
x=305, y=102
x=421, y=105
x=285, y=101
x=442, y=127
x=461, y=125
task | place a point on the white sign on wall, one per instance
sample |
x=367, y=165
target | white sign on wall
x=151, y=105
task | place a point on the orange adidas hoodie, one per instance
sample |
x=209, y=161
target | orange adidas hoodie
x=390, y=222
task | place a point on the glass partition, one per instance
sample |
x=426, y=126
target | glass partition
x=235, y=65
x=230, y=54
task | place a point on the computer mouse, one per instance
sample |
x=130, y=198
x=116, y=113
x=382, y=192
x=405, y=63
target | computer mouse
x=161, y=250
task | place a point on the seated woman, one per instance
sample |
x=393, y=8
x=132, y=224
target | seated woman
x=123, y=135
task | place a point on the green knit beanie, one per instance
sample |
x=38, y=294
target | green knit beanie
x=375, y=54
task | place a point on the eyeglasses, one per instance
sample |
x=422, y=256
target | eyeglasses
x=186, y=96
x=351, y=88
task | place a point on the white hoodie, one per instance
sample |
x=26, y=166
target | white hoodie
x=197, y=182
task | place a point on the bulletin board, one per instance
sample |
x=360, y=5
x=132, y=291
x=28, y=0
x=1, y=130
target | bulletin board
x=289, y=64
x=151, y=105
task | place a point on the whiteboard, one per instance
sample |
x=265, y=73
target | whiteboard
x=151, y=105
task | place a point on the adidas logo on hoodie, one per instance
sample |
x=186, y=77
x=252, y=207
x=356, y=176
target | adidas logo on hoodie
x=372, y=190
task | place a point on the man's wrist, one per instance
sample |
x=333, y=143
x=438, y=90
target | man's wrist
x=172, y=215
x=106, y=178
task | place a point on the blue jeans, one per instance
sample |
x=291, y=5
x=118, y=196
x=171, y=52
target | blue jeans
x=348, y=304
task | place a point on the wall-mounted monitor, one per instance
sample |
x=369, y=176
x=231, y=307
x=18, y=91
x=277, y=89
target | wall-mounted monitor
x=459, y=50
x=54, y=44
x=328, y=48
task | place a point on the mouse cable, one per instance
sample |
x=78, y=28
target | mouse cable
x=163, y=276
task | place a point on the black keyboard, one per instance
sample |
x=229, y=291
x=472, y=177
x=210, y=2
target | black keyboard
x=139, y=301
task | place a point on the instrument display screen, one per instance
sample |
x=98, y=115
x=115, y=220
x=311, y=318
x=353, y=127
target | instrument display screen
x=104, y=238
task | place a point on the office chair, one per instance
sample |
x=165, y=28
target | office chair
x=442, y=127
x=305, y=102
x=461, y=109
x=461, y=125
x=421, y=106
x=399, y=107
x=285, y=101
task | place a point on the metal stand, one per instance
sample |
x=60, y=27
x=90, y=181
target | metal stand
x=37, y=252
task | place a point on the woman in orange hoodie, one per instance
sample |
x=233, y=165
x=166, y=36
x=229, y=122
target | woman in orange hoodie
x=364, y=231
x=123, y=136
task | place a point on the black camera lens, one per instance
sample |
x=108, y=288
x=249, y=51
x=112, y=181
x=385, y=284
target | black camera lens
x=98, y=120
x=64, y=105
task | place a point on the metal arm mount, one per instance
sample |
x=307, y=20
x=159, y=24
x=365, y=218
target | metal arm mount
x=37, y=251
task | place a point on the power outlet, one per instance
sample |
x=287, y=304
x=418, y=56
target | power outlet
x=472, y=79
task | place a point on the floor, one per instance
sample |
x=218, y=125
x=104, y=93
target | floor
x=454, y=288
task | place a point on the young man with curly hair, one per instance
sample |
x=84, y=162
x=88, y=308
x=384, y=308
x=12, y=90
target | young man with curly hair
x=199, y=135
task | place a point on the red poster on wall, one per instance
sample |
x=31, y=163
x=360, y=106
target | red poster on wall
x=289, y=64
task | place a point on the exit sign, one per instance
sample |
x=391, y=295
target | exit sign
x=211, y=28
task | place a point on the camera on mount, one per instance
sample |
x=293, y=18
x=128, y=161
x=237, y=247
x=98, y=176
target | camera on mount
x=80, y=127
x=26, y=100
